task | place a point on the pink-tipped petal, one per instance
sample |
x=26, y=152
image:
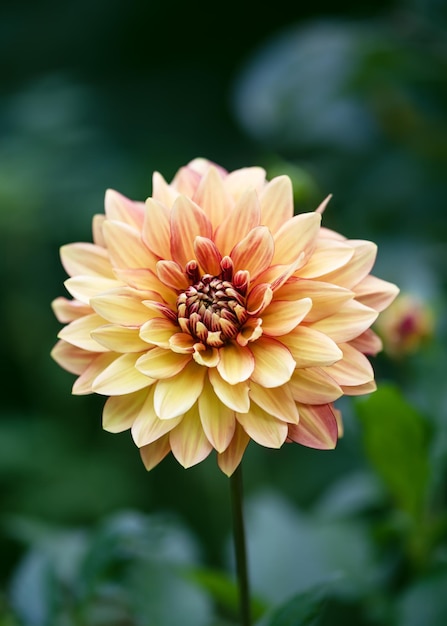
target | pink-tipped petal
x=254, y=252
x=350, y=321
x=326, y=298
x=73, y=359
x=207, y=255
x=187, y=222
x=245, y=216
x=67, y=311
x=162, y=192
x=121, y=306
x=353, y=369
x=121, y=209
x=317, y=427
x=83, y=288
x=79, y=333
x=375, y=293
x=171, y=274
x=125, y=246
x=368, y=343
x=238, y=181
x=84, y=384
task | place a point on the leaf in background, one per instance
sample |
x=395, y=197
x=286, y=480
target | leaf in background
x=396, y=443
x=304, y=609
x=424, y=603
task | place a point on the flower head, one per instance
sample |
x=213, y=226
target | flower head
x=211, y=315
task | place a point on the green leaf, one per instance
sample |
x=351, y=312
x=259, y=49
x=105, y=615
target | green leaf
x=396, y=442
x=304, y=609
x=424, y=602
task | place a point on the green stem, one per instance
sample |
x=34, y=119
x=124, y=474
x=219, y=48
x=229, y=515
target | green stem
x=240, y=546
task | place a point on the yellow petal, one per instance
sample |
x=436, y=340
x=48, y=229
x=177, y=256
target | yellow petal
x=121, y=377
x=156, y=233
x=67, y=311
x=207, y=356
x=245, y=216
x=326, y=298
x=119, y=338
x=311, y=348
x=126, y=248
x=171, y=274
x=375, y=293
x=254, y=252
x=212, y=197
x=146, y=280
x=357, y=268
x=238, y=181
x=121, y=306
x=234, y=397
x=360, y=390
x=353, y=369
x=297, y=235
x=121, y=209
x=278, y=402
x=236, y=363
x=277, y=203
x=86, y=259
x=79, y=333
x=274, y=363
x=98, y=364
x=282, y=316
x=120, y=412
x=97, y=225
x=187, y=222
x=313, y=386
x=73, y=359
x=158, y=331
x=161, y=363
x=232, y=456
x=147, y=427
x=351, y=320
x=327, y=256
x=174, y=396
x=162, y=192
x=155, y=452
x=189, y=444
x=262, y=427
x=317, y=427
x=218, y=421
x=182, y=343
x=83, y=288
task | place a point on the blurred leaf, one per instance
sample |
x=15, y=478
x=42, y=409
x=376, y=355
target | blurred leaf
x=304, y=609
x=396, y=442
x=424, y=602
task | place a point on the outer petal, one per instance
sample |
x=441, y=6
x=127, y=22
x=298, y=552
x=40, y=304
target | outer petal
x=175, y=396
x=354, y=369
x=278, y=402
x=232, y=456
x=162, y=192
x=155, y=452
x=375, y=292
x=125, y=246
x=239, y=180
x=218, y=421
x=187, y=222
x=73, y=359
x=317, y=428
x=79, y=333
x=358, y=267
x=84, y=384
x=351, y=320
x=121, y=377
x=262, y=427
x=282, y=316
x=189, y=443
x=236, y=363
x=313, y=386
x=83, y=288
x=234, y=397
x=147, y=427
x=297, y=235
x=274, y=363
x=212, y=197
x=360, y=390
x=326, y=298
x=120, y=412
x=368, y=343
x=327, y=256
x=311, y=348
x=122, y=306
x=277, y=203
x=156, y=233
x=159, y=363
x=254, y=252
x=245, y=216
x=67, y=311
x=86, y=259
x=121, y=209
x=119, y=338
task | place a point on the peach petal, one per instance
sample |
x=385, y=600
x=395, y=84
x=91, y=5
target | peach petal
x=189, y=444
x=244, y=178
x=158, y=331
x=186, y=181
x=322, y=206
x=67, y=311
x=147, y=427
x=97, y=226
x=119, y=338
x=314, y=386
x=311, y=348
x=175, y=396
x=317, y=427
x=278, y=402
x=259, y=298
x=212, y=197
x=182, y=343
x=360, y=390
x=120, y=412
x=78, y=333
x=121, y=377
x=125, y=246
x=277, y=203
x=156, y=233
x=297, y=235
x=207, y=255
x=207, y=356
x=73, y=359
x=232, y=456
x=262, y=427
x=162, y=192
x=86, y=259
x=357, y=268
x=160, y=363
x=187, y=222
x=218, y=421
x=83, y=288
x=147, y=281
x=251, y=331
x=121, y=306
x=84, y=384
x=172, y=275
x=155, y=452
x=254, y=252
x=351, y=320
x=368, y=343
x=278, y=275
x=121, y=209
x=326, y=298
x=235, y=397
x=282, y=316
x=274, y=363
x=236, y=363
x=327, y=256
x=245, y=216
x=353, y=369
x=375, y=293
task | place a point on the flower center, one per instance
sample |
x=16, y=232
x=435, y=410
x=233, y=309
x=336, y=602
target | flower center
x=212, y=310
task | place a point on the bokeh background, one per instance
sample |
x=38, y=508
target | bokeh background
x=347, y=98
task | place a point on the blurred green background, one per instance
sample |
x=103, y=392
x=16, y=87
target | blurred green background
x=347, y=98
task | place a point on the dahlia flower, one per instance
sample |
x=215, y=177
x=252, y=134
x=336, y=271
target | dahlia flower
x=211, y=315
